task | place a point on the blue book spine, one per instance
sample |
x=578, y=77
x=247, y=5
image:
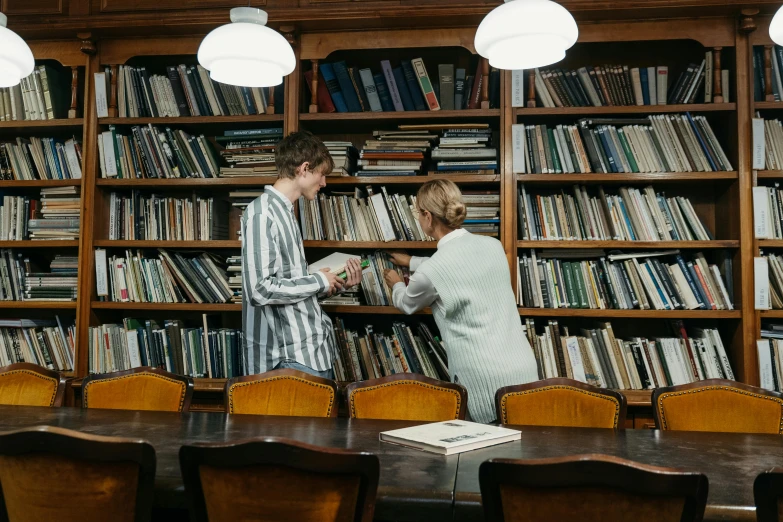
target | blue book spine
x=383, y=92
x=664, y=206
x=690, y=277
x=142, y=347
x=247, y=97
x=645, y=87
x=616, y=153
x=333, y=87
x=346, y=86
x=608, y=151
x=419, y=103
x=624, y=213
x=402, y=86
x=663, y=297
x=701, y=141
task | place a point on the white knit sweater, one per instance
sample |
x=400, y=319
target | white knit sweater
x=478, y=320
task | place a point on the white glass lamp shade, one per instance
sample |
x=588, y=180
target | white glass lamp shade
x=525, y=34
x=16, y=59
x=776, y=27
x=246, y=52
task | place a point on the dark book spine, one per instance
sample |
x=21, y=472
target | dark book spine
x=353, y=72
x=413, y=86
x=198, y=91
x=346, y=87
x=402, y=87
x=247, y=98
x=221, y=99
x=383, y=92
x=145, y=81
x=179, y=94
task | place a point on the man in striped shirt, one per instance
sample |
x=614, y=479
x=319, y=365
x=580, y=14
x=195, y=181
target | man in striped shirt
x=283, y=324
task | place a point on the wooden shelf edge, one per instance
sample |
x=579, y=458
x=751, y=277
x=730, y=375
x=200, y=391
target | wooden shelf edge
x=187, y=182
x=167, y=244
x=630, y=244
x=770, y=243
x=43, y=243
x=194, y=307
x=634, y=314
x=25, y=124
x=625, y=109
x=32, y=183
x=637, y=398
x=768, y=105
x=403, y=115
x=627, y=177
x=39, y=305
x=183, y=120
x=769, y=174
x=771, y=314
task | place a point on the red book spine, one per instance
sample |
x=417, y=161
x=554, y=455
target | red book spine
x=324, y=100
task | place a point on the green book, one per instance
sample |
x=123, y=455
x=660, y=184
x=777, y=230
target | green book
x=555, y=155
x=573, y=302
x=365, y=264
x=627, y=150
x=580, y=283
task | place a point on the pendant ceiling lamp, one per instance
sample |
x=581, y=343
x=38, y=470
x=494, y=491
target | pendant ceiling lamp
x=246, y=52
x=776, y=27
x=525, y=34
x=16, y=59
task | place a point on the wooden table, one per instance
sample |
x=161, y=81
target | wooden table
x=730, y=461
x=419, y=486
x=413, y=486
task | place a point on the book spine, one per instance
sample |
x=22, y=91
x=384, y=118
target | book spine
x=425, y=84
x=391, y=83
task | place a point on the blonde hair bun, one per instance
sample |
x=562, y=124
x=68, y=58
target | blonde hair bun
x=455, y=213
x=443, y=199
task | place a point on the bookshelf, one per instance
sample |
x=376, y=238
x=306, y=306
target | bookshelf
x=436, y=33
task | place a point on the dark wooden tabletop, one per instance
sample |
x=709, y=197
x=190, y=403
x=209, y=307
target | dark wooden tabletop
x=730, y=461
x=413, y=486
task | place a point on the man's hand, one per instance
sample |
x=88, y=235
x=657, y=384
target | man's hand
x=391, y=277
x=353, y=271
x=335, y=283
x=399, y=257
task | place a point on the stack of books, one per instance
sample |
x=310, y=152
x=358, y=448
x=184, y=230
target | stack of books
x=464, y=149
x=183, y=91
x=43, y=342
x=595, y=356
x=59, y=214
x=345, y=157
x=152, y=152
x=768, y=212
x=395, y=153
x=40, y=158
x=361, y=216
x=769, y=139
x=202, y=351
x=406, y=87
x=658, y=143
x=370, y=355
x=483, y=212
x=43, y=95
x=373, y=286
x=632, y=215
x=775, y=264
x=152, y=217
x=170, y=278
x=645, y=281
x=770, y=354
x=234, y=272
x=249, y=152
x=21, y=280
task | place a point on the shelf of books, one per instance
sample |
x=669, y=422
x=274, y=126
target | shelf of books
x=41, y=136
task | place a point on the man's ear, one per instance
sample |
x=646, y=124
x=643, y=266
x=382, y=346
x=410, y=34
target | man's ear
x=302, y=169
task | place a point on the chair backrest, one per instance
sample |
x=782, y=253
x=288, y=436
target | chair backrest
x=718, y=405
x=25, y=384
x=407, y=396
x=589, y=488
x=560, y=402
x=278, y=479
x=768, y=493
x=142, y=388
x=49, y=473
x=282, y=392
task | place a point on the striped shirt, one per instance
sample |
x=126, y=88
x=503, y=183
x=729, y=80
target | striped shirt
x=281, y=317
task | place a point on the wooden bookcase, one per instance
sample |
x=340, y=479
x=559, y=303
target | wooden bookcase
x=722, y=199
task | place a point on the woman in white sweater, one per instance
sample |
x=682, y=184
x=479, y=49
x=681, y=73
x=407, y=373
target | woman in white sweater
x=468, y=285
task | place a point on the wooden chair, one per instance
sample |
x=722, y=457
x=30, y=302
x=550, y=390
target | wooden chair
x=407, y=396
x=25, y=384
x=718, y=405
x=768, y=494
x=560, y=402
x=282, y=392
x=589, y=488
x=142, y=388
x=49, y=473
x=274, y=479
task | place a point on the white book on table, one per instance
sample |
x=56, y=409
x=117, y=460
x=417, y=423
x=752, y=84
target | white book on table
x=450, y=437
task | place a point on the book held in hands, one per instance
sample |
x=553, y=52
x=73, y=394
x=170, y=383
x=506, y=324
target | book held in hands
x=450, y=437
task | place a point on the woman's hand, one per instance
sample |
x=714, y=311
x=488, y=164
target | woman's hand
x=391, y=277
x=399, y=257
x=353, y=271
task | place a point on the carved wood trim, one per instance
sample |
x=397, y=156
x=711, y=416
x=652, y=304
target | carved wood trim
x=67, y=52
x=117, y=52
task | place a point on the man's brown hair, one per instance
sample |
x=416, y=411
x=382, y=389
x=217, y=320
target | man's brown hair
x=299, y=147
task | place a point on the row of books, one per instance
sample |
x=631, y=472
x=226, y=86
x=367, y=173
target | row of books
x=620, y=85
x=40, y=158
x=234, y=273
x=153, y=217
x=768, y=212
x=658, y=143
x=202, y=351
x=372, y=291
x=248, y=152
x=54, y=216
x=361, y=215
x=183, y=91
x=344, y=156
x=367, y=354
x=775, y=276
x=169, y=278
x=151, y=152
x=759, y=73
x=596, y=356
x=407, y=87
x=631, y=215
x=767, y=144
x=43, y=95
x=770, y=355
x=43, y=342
x=22, y=280
x=645, y=281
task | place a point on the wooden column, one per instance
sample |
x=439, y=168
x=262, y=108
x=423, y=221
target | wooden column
x=270, y=105
x=768, y=96
x=73, y=111
x=717, y=89
x=113, y=95
x=531, y=88
x=314, y=87
x=484, y=83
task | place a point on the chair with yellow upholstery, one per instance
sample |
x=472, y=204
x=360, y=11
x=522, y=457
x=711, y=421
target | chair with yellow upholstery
x=55, y=474
x=278, y=479
x=25, y=384
x=142, y=388
x=407, y=396
x=560, y=402
x=286, y=392
x=589, y=488
x=718, y=405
